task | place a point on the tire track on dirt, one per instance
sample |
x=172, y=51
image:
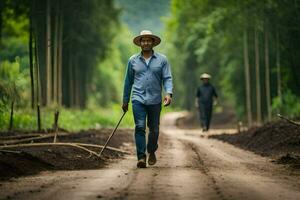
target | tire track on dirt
x=125, y=192
x=204, y=169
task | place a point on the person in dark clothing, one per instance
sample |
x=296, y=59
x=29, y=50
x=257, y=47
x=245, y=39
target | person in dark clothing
x=205, y=100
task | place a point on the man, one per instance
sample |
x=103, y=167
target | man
x=146, y=73
x=204, y=101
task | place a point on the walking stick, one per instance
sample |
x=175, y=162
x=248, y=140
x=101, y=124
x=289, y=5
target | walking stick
x=111, y=135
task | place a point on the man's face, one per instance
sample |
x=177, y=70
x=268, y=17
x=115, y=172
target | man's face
x=146, y=43
x=205, y=80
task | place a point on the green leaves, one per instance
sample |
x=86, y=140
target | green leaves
x=207, y=36
x=289, y=105
x=11, y=81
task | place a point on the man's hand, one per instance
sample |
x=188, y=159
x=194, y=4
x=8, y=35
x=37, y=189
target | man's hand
x=125, y=107
x=196, y=103
x=167, y=100
x=215, y=102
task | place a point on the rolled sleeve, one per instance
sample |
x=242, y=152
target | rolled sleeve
x=167, y=78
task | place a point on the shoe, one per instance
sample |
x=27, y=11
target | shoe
x=141, y=163
x=152, y=159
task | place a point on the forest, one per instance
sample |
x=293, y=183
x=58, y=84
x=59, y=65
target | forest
x=228, y=125
x=250, y=47
x=70, y=56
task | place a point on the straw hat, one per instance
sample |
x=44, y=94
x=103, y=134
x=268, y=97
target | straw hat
x=146, y=33
x=205, y=75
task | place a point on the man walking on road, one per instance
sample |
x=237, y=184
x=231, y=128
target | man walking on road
x=146, y=73
x=204, y=101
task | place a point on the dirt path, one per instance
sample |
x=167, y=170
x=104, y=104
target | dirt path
x=190, y=166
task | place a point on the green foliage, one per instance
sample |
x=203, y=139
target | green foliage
x=143, y=14
x=91, y=26
x=107, y=84
x=70, y=119
x=13, y=83
x=207, y=36
x=14, y=31
x=93, y=42
x=289, y=105
x=14, y=76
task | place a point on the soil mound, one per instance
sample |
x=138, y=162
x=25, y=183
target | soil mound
x=279, y=139
x=31, y=160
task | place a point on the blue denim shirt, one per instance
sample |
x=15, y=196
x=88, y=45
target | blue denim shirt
x=146, y=81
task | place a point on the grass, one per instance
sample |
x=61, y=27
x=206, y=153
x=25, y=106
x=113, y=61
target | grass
x=70, y=119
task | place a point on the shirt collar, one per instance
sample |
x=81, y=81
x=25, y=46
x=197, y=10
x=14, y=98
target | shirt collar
x=154, y=55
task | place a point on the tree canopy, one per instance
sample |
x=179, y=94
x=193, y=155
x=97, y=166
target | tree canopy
x=208, y=36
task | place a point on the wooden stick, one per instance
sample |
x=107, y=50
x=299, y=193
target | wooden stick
x=38, y=116
x=288, y=120
x=9, y=151
x=39, y=137
x=50, y=144
x=56, y=115
x=26, y=139
x=19, y=136
x=101, y=146
x=62, y=144
x=11, y=116
x=107, y=141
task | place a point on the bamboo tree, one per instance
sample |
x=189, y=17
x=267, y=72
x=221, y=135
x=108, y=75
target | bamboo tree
x=37, y=75
x=48, y=54
x=76, y=83
x=267, y=73
x=31, y=54
x=71, y=80
x=247, y=79
x=37, y=71
x=55, y=54
x=59, y=56
x=1, y=20
x=257, y=74
x=11, y=121
x=278, y=66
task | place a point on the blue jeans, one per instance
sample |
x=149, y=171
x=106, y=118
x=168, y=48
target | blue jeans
x=140, y=113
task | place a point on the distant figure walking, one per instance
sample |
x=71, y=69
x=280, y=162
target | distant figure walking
x=147, y=73
x=204, y=101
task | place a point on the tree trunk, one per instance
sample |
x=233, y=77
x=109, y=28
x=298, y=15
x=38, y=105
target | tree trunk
x=37, y=75
x=71, y=81
x=77, y=81
x=257, y=74
x=31, y=55
x=37, y=69
x=55, y=55
x=40, y=45
x=11, y=121
x=247, y=79
x=278, y=66
x=38, y=117
x=267, y=73
x=48, y=54
x=59, y=56
x=1, y=20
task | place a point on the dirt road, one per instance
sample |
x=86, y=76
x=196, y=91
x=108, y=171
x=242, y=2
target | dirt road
x=190, y=166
